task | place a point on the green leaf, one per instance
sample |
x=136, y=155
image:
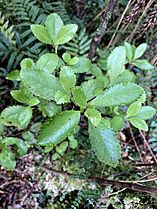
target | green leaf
x=79, y=96
x=118, y=95
x=57, y=129
x=143, y=65
x=142, y=98
x=66, y=33
x=139, y=51
x=62, y=147
x=55, y=156
x=146, y=112
x=73, y=142
x=23, y=95
x=92, y=88
x=7, y=159
x=61, y=97
x=95, y=70
x=35, y=127
x=27, y=63
x=105, y=145
x=133, y=109
x=66, y=57
x=117, y=123
x=48, y=62
x=17, y=116
x=40, y=83
x=116, y=62
x=105, y=123
x=70, y=61
x=139, y=123
x=41, y=33
x=53, y=25
x=29, y=137
x=67, y=78
x=20, y=145
x=94, y=116
x=129, y=51
x=14, y=76
x=125, y=77
x=82, y=66
x=49, y=109
x=74, y=61
x=1, y=129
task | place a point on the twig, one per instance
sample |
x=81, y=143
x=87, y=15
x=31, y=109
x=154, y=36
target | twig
x=120, y=21
x=138, y=150
x=127, y=185
x=140, y=181
x=115, y=193
x=145, y=164
x=106, y=15
x=147, y=144
x=10, y=182
x=148, y=174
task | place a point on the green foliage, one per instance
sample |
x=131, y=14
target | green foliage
x=116, y=62
x=48, y=62
x=102, y=101
x=105, y=145
x=7, y=156
x=48, y=35
x=6, y=30
x=61, y=97
x=79, y=96
x=82, y=66
x=118, y=95
x=80, y=45
x=67, y=74
x=40, y=83
x=137, y=115
x=94, y=116
x=153, y=136
x=56, y=130
x=133, y=54
x=19, y=116
x=17, y=40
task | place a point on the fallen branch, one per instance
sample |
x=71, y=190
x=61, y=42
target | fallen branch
x=135, y=186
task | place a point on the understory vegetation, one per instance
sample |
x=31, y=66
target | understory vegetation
x=78, y=103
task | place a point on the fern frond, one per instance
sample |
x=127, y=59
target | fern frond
x=58, y=7
x=79, y=45
x=27, y=12
x=153, y=136
x=6, y=30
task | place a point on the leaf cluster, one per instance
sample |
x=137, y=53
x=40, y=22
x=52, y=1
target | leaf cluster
x=105, y=103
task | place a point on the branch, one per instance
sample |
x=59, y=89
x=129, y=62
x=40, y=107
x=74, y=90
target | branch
x=106, y=16
x=128, y=185
x=135, y=186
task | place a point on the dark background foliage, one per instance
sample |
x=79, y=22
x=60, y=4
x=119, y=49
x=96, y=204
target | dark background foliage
x=35, y=182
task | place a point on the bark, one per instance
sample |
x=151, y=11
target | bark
x=106, y=16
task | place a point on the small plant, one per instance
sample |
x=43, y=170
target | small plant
x=53, y=84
